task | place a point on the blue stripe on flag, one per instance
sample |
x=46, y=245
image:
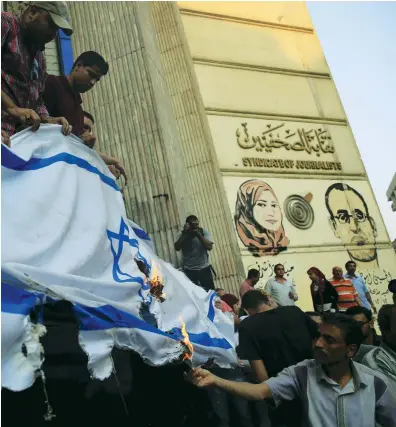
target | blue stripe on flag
x=205, y=340
x=11, y=161
x=108, y=317
x=19, y=301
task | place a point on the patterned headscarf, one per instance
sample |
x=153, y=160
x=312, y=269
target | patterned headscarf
x=259, y=240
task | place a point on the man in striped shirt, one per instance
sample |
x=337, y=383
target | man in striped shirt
x=347, y=294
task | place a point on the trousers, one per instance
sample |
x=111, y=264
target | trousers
x=202, y=278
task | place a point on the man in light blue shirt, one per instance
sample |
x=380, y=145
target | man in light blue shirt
x=281, y=290
x=335, y=391
x=360, y=286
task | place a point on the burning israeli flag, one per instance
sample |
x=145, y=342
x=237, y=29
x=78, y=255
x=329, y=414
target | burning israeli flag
x=65, y=235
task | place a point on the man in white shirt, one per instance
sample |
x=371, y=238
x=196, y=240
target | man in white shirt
x=281, y=290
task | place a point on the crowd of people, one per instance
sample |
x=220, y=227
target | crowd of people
x=324, y=368
x=302, y=362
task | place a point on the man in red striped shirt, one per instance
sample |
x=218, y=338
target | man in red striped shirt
x=347, y=294
x=23, y=68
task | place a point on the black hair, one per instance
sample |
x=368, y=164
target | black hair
x=252, y=299
x=342, y=187
x=191, y=218
x=384, y=317
x=277, y=265
x=392, y=286
x=360, y=310
x=89, y=116
x=351, y=329
x=253, y=272
x=91, y=58
x=349, y=262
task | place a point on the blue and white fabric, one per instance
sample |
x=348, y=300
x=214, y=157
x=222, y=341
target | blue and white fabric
x=65, y=235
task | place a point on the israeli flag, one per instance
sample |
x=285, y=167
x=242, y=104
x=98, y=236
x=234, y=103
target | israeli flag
x=65, y=235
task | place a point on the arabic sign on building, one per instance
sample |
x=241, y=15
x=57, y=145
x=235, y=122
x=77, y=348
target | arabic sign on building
x=246, y=144
x=279, y=136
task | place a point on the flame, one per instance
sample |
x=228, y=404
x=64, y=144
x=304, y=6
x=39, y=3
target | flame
x=155, y=276
x=186, y=341
x=156, y=284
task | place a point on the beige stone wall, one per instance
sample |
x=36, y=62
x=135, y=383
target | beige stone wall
x=205, y=192
x=275, y=117
x=125, y=113
x=149, y=113
x=204, y=96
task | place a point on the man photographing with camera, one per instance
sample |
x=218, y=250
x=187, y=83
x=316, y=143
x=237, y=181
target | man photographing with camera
x=195, y=242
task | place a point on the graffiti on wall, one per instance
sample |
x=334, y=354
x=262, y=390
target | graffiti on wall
x=351, y=222
x=298, y=211
x=377, y=282
x=259, y=219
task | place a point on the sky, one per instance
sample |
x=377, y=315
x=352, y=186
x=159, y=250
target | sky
x=359, y=43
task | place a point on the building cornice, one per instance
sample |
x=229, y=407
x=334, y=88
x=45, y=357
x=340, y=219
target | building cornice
x=239, y=20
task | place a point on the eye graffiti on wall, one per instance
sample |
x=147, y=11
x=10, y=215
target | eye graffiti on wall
x=258, y=219
x=298, y=211
x=351, y=222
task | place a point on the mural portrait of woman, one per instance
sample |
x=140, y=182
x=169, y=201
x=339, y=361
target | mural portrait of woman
x=258, y=219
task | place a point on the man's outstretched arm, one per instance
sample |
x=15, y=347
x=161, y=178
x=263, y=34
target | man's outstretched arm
x=203, y=378
x=282, y=387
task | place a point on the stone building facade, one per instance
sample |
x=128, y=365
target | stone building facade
x=228, y=110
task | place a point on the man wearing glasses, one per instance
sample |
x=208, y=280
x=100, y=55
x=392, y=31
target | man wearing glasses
x=352, y=223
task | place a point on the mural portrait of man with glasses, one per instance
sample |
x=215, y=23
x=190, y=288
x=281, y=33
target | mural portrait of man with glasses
x=352, y=223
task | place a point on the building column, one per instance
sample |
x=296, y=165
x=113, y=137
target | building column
x=148, y=112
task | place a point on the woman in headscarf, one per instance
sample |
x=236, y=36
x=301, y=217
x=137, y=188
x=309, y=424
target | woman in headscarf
x=324, y=296
x=258, y=219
